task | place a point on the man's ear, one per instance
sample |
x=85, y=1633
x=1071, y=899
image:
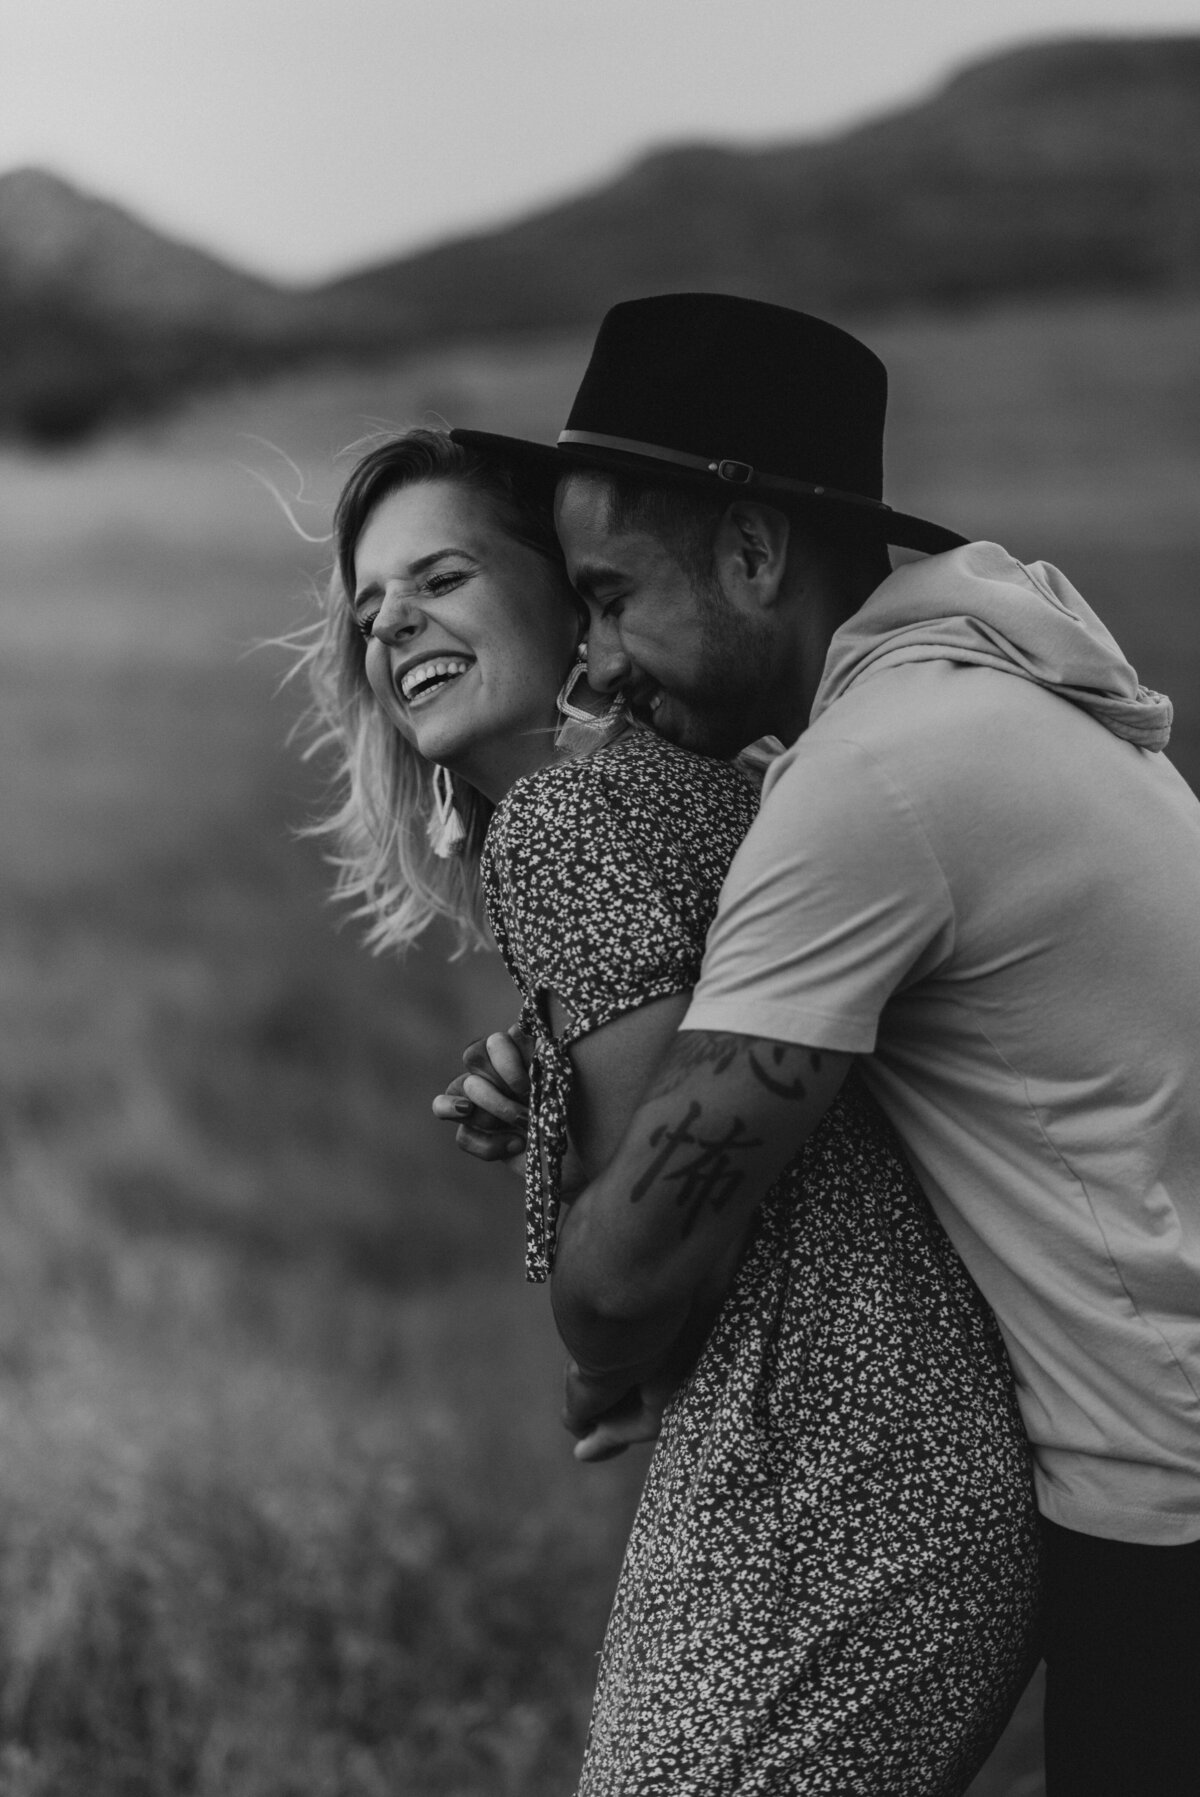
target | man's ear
x=750, y=551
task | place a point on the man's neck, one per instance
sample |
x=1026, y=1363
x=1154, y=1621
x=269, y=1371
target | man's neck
x=819, y=609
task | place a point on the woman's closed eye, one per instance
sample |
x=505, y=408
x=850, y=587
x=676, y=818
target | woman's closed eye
x=444, y=583
x=434, y=587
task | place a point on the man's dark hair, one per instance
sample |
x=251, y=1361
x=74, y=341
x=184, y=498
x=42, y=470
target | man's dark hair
x=685, y=518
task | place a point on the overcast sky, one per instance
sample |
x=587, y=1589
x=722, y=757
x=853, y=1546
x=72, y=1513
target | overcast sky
x=304, y=137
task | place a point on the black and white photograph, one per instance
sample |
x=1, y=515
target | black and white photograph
x=600, y=907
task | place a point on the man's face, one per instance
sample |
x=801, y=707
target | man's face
x=687, y=662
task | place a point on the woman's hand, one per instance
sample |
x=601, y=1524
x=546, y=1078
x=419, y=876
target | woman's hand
x=488, y=1102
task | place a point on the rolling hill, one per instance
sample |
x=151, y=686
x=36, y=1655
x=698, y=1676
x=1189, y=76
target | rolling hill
x=102, y=315
x=1068, y=168
x=1071, y=167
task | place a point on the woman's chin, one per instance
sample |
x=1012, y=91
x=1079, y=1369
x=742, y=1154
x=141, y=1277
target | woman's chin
x=443, y=747
x=441, y=730
x=486, y=748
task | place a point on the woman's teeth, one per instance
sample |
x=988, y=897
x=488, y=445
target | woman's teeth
x=431, y=674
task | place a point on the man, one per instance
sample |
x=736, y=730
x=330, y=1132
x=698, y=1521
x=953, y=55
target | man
x=974, y=871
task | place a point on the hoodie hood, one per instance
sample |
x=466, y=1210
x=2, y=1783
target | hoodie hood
x=977, y=604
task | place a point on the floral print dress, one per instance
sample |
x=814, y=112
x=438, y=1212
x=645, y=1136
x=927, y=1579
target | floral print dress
x=831, y=1586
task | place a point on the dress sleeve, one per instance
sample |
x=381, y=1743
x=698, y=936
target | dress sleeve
x=601, y=879
x=607, y=874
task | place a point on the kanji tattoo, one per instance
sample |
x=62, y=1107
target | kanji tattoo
x=704, y=1171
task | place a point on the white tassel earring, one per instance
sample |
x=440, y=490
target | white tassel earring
x=578, y=729
x=445, y=828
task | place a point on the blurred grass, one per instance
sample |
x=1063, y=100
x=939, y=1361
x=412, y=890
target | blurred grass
x=266, y=1530
x=285, y=1507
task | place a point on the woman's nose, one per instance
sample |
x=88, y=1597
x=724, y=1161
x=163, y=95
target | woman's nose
x=397, y=620
x=608, y=666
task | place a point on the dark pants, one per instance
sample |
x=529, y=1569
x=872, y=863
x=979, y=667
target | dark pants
x=1122, y=1668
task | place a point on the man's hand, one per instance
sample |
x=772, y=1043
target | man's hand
x=488, y=1102
x=589, y=1396
x=635, y=1417
x=606, y=1419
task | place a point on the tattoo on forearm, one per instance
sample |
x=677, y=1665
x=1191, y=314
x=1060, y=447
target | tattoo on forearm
x=785, y=1082
x=703, y=1170
x=775, y=1065
x=691, y=1050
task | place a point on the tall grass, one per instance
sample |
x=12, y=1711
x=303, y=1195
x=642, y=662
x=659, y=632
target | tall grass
x=266, y=1530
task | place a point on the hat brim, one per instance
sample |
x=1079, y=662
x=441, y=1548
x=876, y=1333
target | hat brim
x=900, y=529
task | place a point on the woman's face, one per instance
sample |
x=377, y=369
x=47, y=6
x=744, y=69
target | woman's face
x=470, y=633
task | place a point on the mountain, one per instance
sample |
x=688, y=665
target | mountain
x=1065, y=167
x=56, y=240
x=100, y=314
x=1059, y=168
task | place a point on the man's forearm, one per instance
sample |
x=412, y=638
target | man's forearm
x=641, y=1242
x=609, y=1334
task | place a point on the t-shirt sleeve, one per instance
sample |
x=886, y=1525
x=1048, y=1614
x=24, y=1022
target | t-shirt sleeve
x=835, y=902
x=606, y=875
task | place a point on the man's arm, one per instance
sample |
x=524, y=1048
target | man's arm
x=723, y=1117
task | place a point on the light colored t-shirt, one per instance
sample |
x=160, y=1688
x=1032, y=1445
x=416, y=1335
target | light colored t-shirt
x=973, y=885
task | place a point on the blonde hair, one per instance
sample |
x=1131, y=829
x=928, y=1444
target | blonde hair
x=383, y=791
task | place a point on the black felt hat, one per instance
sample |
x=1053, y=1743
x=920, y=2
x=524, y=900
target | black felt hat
x=734, y=395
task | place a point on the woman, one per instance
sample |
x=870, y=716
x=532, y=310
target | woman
x=831, y=1584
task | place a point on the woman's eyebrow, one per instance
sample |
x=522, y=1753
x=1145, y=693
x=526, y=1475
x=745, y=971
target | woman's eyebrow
x=374, y=588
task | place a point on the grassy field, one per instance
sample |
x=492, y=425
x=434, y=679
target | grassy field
x=285, y=1508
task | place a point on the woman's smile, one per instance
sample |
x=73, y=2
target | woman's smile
x=430, y=678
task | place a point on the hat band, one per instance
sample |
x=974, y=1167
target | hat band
x=736, y=474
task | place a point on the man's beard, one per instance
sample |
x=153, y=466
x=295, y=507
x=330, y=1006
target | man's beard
x=718, y=715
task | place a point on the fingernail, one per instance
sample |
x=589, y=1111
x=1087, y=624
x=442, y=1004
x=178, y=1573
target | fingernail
x=462, y=1107
x=516, y=1144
